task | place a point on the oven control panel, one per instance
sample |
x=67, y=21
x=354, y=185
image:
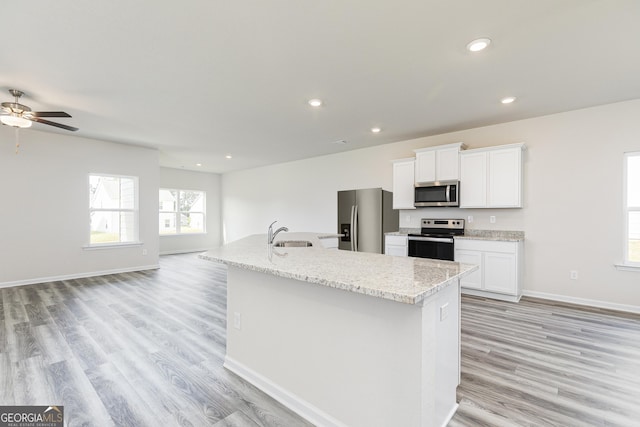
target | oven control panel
x=456, y=224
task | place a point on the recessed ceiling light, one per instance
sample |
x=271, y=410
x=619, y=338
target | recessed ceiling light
x=376, y=129
x=508, y=99
x=315, y=102
x=198, y=164
x=228, y=156
x=478, y=44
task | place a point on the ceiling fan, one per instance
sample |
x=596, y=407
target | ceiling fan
x=20, y=116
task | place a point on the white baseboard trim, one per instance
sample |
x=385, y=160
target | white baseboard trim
x=583, y=301
x=450, y=415
x=300, y=406
x=493, y=295
x=183, y=251
x=77, y=276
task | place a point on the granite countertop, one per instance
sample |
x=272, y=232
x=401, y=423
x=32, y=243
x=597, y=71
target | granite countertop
x=402, y=279
x=496, y=235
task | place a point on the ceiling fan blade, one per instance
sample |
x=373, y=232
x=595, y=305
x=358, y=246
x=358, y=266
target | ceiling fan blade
x=49, y=114
x=58, y=125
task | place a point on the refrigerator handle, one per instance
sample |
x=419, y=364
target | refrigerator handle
x=351, y=226
x=355, y=228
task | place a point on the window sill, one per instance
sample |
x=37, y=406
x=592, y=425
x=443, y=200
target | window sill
x=183, y=234
x=100, y=246
x=627, y=267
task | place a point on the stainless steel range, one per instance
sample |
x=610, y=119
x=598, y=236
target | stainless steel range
x=436, y=238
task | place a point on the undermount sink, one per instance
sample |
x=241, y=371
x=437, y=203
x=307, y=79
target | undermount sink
x=292, y=244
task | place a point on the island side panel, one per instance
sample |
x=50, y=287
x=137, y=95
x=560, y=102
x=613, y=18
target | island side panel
x=444, y=313
x=346, y=358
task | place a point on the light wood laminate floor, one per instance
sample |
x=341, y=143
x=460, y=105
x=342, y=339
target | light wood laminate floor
x=146, y=349
x=540, y=363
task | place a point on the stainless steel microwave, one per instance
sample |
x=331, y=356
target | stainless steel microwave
x=443, y=193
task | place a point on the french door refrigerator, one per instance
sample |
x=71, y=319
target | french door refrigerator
x=363, y=218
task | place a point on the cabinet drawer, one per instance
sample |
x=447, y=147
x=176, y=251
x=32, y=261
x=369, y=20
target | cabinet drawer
x=396, y=240
x=486, y=246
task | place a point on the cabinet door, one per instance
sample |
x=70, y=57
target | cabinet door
x=403, y=184
x=426, y=166
x=505, y=178
x=500, y=273
x=473, y=280
x=329, y=242
x=394, y=250
x=473, y=180
x=448, y=164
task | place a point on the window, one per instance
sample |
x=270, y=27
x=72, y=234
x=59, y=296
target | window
x=182, y=211
x=632, y=209
x=113, y=209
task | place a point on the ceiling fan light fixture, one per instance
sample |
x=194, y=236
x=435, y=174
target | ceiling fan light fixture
x=15, y=121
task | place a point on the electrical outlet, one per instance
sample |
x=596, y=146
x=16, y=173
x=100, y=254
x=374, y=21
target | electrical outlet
x=470, y=219
x=444, y=312
x=573, y=274
x=145, y=251
x=237, y=320
x=492, y=219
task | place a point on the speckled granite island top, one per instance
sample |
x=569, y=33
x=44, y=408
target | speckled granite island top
x=403, y=279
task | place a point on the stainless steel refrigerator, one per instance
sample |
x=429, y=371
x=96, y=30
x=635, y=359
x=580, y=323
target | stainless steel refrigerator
x=363, y=218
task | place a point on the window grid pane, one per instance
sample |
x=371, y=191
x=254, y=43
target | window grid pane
x=113, y=209
x=632, y=239
x=634, y=236
x=182, y=211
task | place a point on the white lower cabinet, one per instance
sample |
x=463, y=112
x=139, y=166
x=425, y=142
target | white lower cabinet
x=473, y=280
x=329, y=242
x=395, y=245
x=500, y=272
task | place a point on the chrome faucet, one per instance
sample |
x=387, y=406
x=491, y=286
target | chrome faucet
x=272, y=234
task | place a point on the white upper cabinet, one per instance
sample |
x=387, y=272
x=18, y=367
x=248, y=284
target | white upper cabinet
x=505, y=178
x=440, y=163
x=491, y=177
x=473, y=180
x=403, y=183
x=425, y=166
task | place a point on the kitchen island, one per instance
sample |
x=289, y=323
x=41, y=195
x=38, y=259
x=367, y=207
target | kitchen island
x=343, y=338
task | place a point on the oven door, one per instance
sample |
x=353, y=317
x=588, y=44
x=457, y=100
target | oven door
x=431, y=247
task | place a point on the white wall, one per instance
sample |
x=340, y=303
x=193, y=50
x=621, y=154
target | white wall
x=189, y=180
x=572, y=217
x=300, y=195
x=44, y=219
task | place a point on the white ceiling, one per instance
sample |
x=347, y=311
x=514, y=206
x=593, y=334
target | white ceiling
x=199, y=79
